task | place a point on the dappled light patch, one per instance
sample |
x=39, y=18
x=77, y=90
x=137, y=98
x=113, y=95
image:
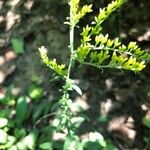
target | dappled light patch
x=2, y=92
x=145, y=36
x=6, y=71
x=80, y=103
x=6, y=66
x=144, y=107
x=2, y=60
x=58, y=136
x=106, y=106
x=13, y=3
x=123, y=128
x=10, y=55
x=1, y=4
x=11, y=19
x=109, y=84
x=2, y=42
x=28, y=5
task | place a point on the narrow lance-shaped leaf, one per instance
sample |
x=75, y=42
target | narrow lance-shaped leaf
x=77, y=89
x=21, y=110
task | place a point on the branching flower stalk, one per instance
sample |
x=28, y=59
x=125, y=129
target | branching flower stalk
x=102, y=52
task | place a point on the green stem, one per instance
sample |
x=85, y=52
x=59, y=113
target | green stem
x=71, y=61
x=69, y=68
x=102, y=66
x=71, y=50
x=72, y=38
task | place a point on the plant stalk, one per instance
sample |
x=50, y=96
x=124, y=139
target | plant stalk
x=71, y=51
x=71, y=61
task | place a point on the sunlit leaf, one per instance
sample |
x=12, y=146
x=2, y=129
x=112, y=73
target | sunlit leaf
x=22, y=145
x=96, y=137
x=70, y=143
x=46, y=146
x=3, y=136
x=3, y=122
x=11, y=141
x=14, y=147
x=30, y=140
x=77, y=89
x=35, y=92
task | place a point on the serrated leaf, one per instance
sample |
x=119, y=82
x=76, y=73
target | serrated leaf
x=77, y=89
x=18, y=46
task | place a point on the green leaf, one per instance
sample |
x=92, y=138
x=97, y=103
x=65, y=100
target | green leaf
x=38, y=111
x=103, y=118
x=83, y=51
x=14, y=147
x=21, y=145
x=70, y=144
x=21, y=110
x=60, y=69
x=11, y=141
x=92, y=146
x=30, y=140
x=55, y=106
x=146, y=122
x=77, y=89
x=95, y=136
x=3, y=122
x=110, y=145
x=35, y=92
x=3, y=137
x=85, y=117
x=58, y=145
x=18, y=46
x=20, y=133
x=46, y=145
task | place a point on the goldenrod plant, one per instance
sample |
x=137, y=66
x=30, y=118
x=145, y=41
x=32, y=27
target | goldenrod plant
x=96, y=50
